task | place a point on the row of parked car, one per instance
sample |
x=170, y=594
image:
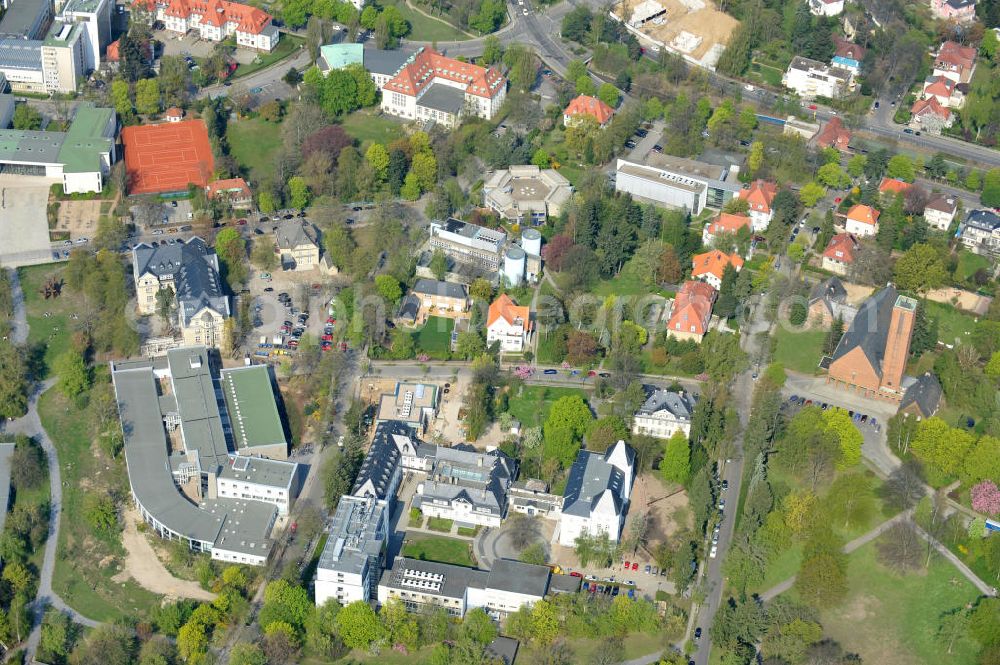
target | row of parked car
x=858, y=417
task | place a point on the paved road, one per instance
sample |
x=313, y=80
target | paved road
x=983, y=587
x=19, y=323
x=269, y=79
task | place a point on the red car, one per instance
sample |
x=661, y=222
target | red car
x=326, y=347
x=628, y=564
x=812, y=107
x=635, y=566
x=241, y=222
x=837, y=200
x=327, y=338
x=591, y=373
x=330, y=319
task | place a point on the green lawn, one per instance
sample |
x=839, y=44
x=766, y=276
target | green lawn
x=531, y=404
x=369, y=125
x=252, y=143
x=288, y=45
x=952, y=323
x=427, y=29
x=434, y=338
x=87, y=562
x=968, y=264
x=439, y=524
x=799, y=351
x=625, y=283
x=439, y=548
x=49, y=320
x=893, y=620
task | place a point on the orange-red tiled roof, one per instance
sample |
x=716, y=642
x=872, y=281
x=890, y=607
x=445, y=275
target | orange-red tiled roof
x=894, y=186
x=728, y=223
x=759, y=195
x=230, y=185
x=841, y=248
x=714, y=263
x=506, y=309
x=215, y=12
x=587, y=105
x=931, y=104
x=952, y=53
x=863, y=214
x=174, y=112
x=427, y=65
x=940, y=86
x=692, y=308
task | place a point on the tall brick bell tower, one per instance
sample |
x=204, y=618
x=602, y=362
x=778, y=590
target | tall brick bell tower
x=897, y=346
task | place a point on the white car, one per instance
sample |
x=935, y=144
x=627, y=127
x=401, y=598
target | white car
x=525, y=12
x=713, y=552
x=82, y=241
x=158, y=232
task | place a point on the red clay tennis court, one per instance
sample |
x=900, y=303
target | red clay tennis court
x=167, y=157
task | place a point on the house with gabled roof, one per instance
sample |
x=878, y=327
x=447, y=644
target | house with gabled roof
x=940, y=211
x=955, y=61
x=586, y=106
x=466, y=485
x=759, y=195
x=834, y=135
x=508, y=324
x=862, y=220
x=724, y=223
x=928, y=115
x=691, y=311
x=946, y=91
x=710, y=267
x=597, y=494
x=215, y=20
x=828, y=301
x=840, y=252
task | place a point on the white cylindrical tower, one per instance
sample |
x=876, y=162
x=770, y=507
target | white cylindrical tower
x=513, y=265
x=531, y=242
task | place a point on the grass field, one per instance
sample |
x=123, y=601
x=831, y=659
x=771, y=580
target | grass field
x=434, y=338
x=532, y=403
x=289, y=45
x=427, y=28
x=439, y=548
x=87, y=562
x=49, y=335
x=800, y=351
x=368, y=125
x=952, y=323
x=253, y=143
x=439, y=524
x=893, y=620
x=968, y=264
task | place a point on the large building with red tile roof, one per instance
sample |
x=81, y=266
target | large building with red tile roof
x=930, y=116
x=955, y=61
x=584, y=106
x=759, y=196
x=711, y=266
x=509, y=324
x=216, y=20
x=724, y=223
x=948, y=93
x=893, y=186
x=691, y=311
x=834, y=135
x=235, y=190
x=429, y=86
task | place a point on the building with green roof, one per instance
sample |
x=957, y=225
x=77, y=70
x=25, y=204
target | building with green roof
x=81, y=156
x=338, y=56
x=253, y=412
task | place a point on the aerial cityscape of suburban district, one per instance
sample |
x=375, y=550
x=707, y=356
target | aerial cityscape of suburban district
x=500, y=332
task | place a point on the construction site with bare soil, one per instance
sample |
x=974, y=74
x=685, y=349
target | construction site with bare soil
x=693, y=29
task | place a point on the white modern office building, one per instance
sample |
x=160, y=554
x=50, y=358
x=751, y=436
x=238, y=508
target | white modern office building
x=353, y=557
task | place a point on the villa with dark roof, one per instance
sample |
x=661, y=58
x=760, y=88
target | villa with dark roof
x=872, y=354
x=382, y=469
x=663, y=413
x=191, y=270
x=597, y=494
x=467, y=486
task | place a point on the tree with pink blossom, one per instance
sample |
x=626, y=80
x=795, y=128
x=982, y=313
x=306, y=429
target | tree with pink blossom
x=986, y=498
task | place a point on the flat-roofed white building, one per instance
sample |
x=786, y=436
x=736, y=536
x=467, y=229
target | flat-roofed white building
x=811, y=78
x=527, y=193
x=352, y=559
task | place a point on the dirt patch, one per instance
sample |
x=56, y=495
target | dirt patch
x=966, y=300
x=856, y=293
x=78, y=218
x=142, y=565
x=663, y=504
x=692, y=28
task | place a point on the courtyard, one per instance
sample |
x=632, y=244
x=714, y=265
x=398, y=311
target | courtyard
x=23, y=224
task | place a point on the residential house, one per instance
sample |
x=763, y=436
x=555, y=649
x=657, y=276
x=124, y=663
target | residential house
x=663, y=414
x=980, y=232
x=215, y=20
x=960, y=11
x=834, y=135
x=840, y=252
x=928, y=115
x=826, y=7
x=585, y=106
x=691, y=311
x=811, y=79
x=946, y=91
x=442, y=296
x=531, y=497
x=235, y=190
x=711, y=266
x=862, y=220
x=467, y=486
x=174, y=114
x=191, y=270
x=352, y=559
x=940, y=211
x=298, y=245
x=889, y=187
x=433, y=87
x=872, y=354
x=922, y=398
x=508, y=324
x=848, y=55
x=759, y=197
x=724, y=223
x=597, y=494
x=828, y=301
x=955, y=61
